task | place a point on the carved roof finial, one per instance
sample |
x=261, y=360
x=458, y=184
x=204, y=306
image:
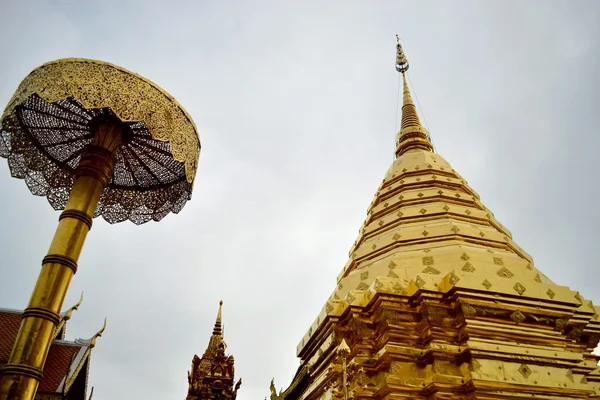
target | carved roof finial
x=67, y=315
x=218, y=330
x=98, y=334
x=412, y=134
x=91, y=342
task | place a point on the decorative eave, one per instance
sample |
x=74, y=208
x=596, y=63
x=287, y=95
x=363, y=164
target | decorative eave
x=80, y=360
x=10, y=310
x=74, y=367
x=298, y=385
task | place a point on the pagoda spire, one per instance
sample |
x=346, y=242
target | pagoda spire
x=218, y=329
x=412, y=134
x=435, y=290
x=212, y=376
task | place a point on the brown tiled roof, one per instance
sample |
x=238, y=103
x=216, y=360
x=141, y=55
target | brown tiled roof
x=58, y=361
x=10, y=321
x=60, y=356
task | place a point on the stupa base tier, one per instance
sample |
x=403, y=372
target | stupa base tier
x=457, y=347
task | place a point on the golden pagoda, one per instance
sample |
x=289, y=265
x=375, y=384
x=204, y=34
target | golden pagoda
x=212, y=376
x=437, y=301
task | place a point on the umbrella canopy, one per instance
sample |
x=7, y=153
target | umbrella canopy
x=50, y=121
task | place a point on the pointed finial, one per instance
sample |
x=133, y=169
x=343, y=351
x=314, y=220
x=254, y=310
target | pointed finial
x=69, y=312
x=97, y=335
x=218, y=325
x=412, y=134
x=343, y=349
x=401, y=61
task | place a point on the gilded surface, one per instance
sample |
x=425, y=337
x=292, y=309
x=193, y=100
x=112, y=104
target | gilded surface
x=50, y=126
x=97, y=84
x=212, y=376
x=345, y=378
x=472, y=317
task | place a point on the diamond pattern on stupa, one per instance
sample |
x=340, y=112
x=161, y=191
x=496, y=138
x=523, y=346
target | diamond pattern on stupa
x=438, y=301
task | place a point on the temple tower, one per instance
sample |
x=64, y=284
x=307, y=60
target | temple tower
x=212, y=376
x=437, y=301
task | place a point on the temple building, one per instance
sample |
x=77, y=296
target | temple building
x=437, y=301
x=68, y=363
x=212, y=376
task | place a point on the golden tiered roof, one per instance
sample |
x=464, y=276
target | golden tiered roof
x=436, y=297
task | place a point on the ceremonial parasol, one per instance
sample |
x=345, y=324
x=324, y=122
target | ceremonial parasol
x=96, y=140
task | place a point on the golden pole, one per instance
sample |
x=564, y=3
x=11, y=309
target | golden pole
x=344, y=378
x=23, y=372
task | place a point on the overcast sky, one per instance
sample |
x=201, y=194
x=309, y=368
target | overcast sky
x=295, y=103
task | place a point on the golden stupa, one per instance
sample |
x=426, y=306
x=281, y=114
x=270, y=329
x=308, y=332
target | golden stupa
x=437, y=301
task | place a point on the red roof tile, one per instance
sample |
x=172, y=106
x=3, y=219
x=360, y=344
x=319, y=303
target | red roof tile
x=9, y=327
x=58, y=360
x=57, y=363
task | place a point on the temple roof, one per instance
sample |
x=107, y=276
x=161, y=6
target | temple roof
x=427, y=230
x=66, y=359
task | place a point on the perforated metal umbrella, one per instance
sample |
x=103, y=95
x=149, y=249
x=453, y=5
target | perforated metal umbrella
x=50, y=121
x=95, y=139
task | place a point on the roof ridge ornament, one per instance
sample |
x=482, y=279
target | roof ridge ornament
x=98, y=334
x=91, y=342
x=67, y=314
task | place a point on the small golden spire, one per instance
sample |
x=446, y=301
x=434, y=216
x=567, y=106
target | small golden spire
x=218, y=325
x=412, y=134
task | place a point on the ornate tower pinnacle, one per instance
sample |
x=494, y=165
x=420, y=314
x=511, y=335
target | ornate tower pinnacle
x=412, y=134
x=218, y=329
x=212, y=376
